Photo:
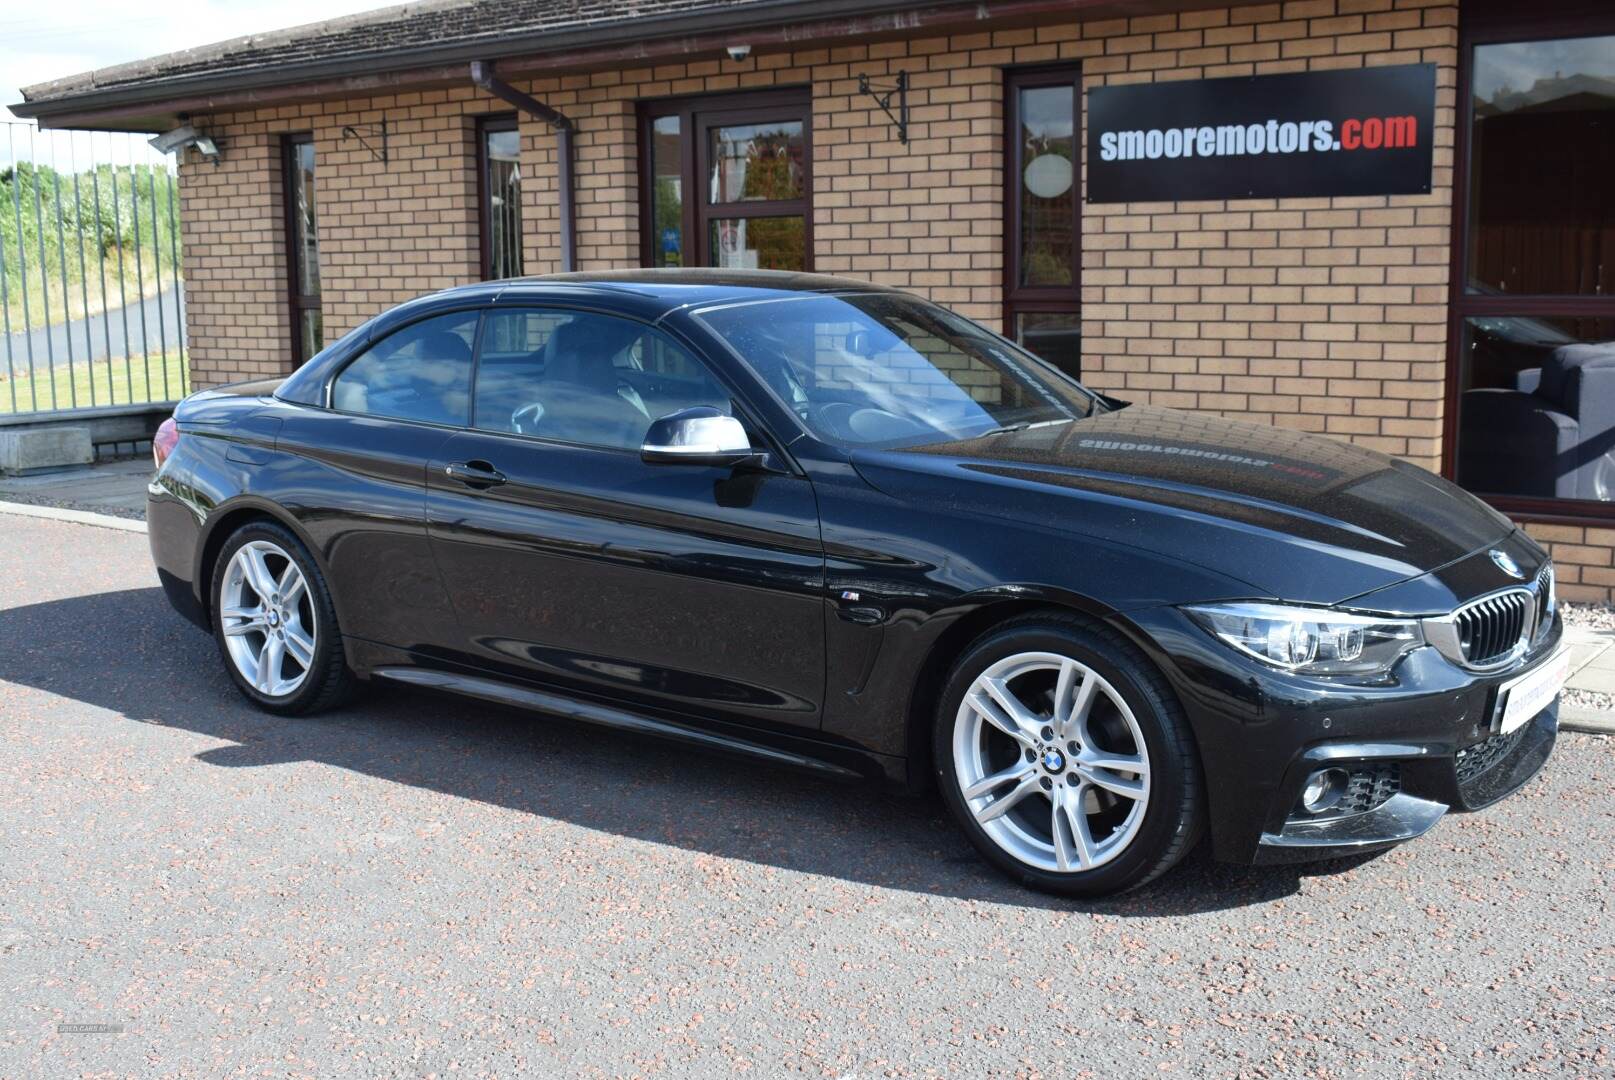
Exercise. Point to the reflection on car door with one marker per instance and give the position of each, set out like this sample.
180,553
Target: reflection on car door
360,476
572,562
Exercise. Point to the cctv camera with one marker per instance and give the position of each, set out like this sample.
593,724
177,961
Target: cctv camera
739,52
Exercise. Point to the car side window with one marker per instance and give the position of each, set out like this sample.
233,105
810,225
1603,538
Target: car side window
584,378
422,372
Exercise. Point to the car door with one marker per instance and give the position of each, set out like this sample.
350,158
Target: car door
573,562
354,475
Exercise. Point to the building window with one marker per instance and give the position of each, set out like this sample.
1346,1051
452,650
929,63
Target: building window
500,196
1043,223
728,182
302,246
1533,313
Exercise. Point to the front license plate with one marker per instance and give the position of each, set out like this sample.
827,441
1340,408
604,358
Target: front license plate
1530,694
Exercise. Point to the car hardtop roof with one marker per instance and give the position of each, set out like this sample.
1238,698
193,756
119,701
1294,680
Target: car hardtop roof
672,288
647,294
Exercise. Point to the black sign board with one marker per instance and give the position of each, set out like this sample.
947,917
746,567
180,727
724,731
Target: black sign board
1365,131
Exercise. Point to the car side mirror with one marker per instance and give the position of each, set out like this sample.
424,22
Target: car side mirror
698,436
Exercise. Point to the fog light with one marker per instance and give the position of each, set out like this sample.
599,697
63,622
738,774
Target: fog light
1324,790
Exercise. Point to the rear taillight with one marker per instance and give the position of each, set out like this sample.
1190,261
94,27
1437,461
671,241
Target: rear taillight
164,441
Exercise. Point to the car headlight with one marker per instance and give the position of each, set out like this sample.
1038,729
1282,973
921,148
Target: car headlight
1312,641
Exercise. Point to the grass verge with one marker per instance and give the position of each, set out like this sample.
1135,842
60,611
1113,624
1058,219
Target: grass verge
133,382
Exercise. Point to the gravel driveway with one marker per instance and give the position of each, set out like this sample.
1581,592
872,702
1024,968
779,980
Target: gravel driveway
421,886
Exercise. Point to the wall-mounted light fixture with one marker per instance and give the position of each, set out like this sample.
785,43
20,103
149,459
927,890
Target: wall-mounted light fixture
175,141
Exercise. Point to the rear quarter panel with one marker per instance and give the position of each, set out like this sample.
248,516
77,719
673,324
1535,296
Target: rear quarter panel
352,490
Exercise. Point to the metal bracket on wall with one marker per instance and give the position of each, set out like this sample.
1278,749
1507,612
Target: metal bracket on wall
375,131
883,93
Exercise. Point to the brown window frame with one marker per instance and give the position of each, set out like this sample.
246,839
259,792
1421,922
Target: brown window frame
1492,22
485,125
296,301
698,115
1038,299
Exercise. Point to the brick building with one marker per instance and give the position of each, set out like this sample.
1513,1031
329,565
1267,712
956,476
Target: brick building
363,161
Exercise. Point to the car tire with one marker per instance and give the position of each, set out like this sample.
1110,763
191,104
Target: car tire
310,670
1124,769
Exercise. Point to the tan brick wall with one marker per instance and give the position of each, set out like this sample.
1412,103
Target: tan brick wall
926,216
387,231
392,230
1583,557
235,260
1326,315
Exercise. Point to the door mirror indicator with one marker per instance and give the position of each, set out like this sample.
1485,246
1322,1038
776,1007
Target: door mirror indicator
699,436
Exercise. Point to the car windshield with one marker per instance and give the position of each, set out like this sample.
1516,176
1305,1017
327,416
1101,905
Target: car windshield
886,370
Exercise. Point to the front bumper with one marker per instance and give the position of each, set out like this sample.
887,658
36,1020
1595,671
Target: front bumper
1416,744
1476,776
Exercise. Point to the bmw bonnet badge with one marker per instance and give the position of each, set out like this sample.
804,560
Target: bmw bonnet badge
1505,563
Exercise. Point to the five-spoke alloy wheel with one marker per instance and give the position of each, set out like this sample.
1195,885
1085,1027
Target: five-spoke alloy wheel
1059,778
269,624
275,622
1065,757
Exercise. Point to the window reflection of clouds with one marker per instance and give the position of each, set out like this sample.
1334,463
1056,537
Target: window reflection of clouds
1046,112
1518,66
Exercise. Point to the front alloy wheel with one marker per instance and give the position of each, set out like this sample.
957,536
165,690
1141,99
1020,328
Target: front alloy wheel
1051,762
1066,759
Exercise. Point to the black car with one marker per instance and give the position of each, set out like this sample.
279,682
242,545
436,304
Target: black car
822,523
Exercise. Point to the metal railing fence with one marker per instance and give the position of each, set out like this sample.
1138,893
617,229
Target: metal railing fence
92,301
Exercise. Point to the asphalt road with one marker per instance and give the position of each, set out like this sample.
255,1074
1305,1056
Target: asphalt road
152,325
422,887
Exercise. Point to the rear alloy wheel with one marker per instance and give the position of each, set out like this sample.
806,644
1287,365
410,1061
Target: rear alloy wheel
275,624
1065,758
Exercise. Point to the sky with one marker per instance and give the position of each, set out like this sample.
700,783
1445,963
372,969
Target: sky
47,39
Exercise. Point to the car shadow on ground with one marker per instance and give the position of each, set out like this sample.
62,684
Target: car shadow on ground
128,652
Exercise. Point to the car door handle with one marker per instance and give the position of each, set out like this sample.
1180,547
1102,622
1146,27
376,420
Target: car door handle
477,474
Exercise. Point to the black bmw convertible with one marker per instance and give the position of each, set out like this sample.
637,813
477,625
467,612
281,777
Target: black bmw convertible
831,525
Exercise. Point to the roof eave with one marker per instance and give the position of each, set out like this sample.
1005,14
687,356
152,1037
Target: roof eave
154,105
151,96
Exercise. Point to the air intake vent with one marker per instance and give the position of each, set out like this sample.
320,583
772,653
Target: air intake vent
1544,599
1491,629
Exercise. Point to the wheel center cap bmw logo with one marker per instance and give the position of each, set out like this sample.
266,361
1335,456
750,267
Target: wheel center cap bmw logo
274,618
1053,760
1505,564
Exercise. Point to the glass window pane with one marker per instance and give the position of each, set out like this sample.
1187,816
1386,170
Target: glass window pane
312,332
304,219
1542,202
422,372
891,370
1536,415
1054,336
757,162
771,243
590,380
667,196
502,182
1047,163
